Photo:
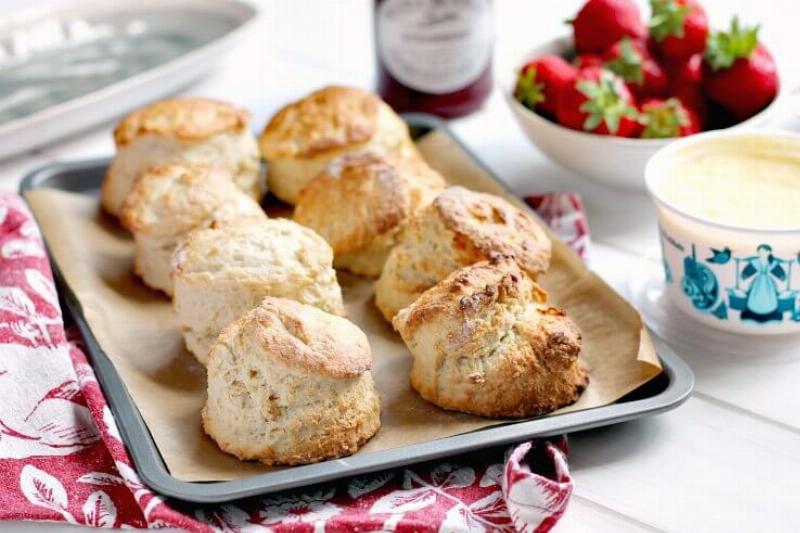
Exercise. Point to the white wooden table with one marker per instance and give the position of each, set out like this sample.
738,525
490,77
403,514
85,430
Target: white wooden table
727,460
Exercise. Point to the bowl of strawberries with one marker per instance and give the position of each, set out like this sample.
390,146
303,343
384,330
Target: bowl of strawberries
603,100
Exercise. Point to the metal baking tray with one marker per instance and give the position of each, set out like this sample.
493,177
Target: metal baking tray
666,391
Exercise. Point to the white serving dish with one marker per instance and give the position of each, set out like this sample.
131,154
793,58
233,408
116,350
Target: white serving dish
717,292
68,66
614,161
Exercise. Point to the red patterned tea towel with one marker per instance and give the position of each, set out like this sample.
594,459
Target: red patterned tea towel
62,459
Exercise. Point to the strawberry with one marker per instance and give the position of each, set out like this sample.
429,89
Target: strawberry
601,23
686,71
692,97
630,60
597,101
685,83
739,72
678,27
588,60
541,81
667,118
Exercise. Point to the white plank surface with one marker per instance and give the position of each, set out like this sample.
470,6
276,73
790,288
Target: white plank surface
729,459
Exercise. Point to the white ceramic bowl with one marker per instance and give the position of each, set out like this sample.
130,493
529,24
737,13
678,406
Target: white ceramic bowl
610,160
711,269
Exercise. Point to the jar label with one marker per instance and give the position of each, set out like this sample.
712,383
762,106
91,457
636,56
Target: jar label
435,46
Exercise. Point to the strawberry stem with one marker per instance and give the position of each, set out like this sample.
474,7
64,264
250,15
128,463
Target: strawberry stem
628,63
664,120
668,19
528,92
605,102
724,48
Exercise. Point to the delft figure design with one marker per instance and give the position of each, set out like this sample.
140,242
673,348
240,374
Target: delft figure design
763,290
701,286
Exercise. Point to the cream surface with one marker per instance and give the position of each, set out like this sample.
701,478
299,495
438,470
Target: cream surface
751,186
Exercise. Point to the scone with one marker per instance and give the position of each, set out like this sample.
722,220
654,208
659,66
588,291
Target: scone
305,135
221,273
169,201
290,384
361,202
182,130
459,228
485,342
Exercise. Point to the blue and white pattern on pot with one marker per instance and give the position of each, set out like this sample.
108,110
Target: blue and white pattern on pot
757,287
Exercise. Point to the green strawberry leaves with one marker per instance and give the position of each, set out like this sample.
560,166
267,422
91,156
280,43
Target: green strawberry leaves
664,120
668,19
605,102
724,48
628,63
528,92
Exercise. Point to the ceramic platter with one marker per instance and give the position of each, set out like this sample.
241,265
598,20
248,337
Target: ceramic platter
76,63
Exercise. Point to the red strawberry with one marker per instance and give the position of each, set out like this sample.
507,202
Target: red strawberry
692,97
588,60
598,101
541,81
685,78
739,72
667,118
683,72
601,23
679,28
630,60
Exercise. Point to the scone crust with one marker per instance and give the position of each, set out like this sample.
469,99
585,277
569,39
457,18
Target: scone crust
188,119
358,197
459,228
301,336
361,203
343,436
272,399
329,119
171,200
484,224
485,342
207,250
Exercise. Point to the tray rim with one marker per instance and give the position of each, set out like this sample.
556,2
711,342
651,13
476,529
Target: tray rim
153,471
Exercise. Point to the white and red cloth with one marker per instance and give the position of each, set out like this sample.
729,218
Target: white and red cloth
61,457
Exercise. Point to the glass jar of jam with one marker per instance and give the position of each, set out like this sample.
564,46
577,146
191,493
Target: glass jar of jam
434,56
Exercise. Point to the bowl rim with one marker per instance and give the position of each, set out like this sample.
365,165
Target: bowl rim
565,39
660,159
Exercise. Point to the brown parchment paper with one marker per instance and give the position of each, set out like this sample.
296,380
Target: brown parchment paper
138,330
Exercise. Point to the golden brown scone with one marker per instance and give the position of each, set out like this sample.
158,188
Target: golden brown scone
169,201
303,137
459,228
182,130
222,272
485,342
290,384
361,202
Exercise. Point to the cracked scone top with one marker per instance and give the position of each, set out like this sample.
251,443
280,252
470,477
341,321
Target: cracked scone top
459,228
221,273
191,119
361,202
304,136
182,130
485,342
290,384
169,201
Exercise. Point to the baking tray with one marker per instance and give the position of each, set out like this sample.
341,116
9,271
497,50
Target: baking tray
666,391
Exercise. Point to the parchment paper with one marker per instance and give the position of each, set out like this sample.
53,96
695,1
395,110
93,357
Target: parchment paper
138,330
